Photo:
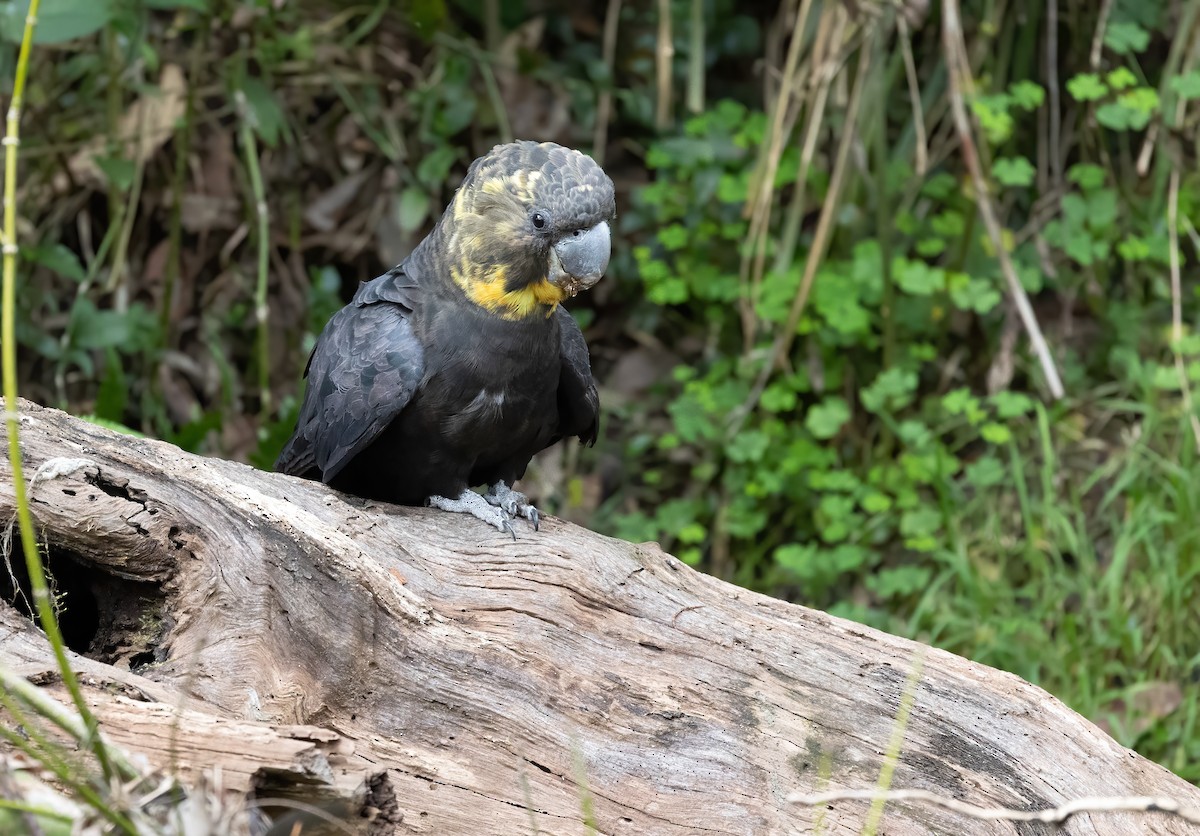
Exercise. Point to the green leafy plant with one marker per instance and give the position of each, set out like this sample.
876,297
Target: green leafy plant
882,474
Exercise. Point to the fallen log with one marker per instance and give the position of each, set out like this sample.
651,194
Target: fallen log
440,678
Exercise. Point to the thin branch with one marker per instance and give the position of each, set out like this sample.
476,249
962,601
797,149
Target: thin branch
1098,38
608,52
1185,385
261,309
1053,815
1142,167
1172,115
786,334
762,180
695,85
663,54
763,177
827,70
921,164
503,124
959,73
1052,90
118,277
183,147
492,32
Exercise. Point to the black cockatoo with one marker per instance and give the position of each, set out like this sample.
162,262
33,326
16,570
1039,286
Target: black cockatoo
456,367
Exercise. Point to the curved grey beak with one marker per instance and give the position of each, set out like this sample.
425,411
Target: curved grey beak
578,261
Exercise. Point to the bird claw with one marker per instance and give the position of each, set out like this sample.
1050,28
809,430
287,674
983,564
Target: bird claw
469,502
514,503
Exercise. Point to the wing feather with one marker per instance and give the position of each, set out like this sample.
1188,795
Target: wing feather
578,400
365,368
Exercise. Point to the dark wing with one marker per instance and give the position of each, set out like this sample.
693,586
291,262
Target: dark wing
363,371
578,400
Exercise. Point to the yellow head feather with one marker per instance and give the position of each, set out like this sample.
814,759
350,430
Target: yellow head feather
489,240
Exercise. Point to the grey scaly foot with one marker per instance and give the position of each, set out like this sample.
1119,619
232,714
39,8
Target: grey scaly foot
469,502
514,502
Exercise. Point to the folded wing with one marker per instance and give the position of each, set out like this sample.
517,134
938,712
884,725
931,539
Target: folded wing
578,400
362,373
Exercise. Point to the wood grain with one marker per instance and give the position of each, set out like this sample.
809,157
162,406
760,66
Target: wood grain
498,683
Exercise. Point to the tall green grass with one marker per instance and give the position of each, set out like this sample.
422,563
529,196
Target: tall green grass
1079,573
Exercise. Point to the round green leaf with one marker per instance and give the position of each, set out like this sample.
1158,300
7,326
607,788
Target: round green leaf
826,418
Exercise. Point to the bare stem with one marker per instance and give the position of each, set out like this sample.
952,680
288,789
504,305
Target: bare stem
1098,38
785,336
825,57
892,756
663,54
1177,301
1172,69
1054,815
33,559
914,92
491,25
1052,90
762,181
261,311
608,51
695,87
959,72
183,147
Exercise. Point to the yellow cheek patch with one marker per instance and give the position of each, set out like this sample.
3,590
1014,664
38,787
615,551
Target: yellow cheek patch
514,304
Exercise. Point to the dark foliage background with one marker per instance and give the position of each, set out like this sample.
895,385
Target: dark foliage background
816,378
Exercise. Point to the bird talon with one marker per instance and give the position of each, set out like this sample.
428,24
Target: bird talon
516,504
469,502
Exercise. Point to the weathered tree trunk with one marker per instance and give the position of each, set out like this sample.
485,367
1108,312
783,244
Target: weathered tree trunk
430,670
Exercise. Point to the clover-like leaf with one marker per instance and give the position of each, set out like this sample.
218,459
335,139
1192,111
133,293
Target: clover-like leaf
1014,171
1124,38
1086,87
825,420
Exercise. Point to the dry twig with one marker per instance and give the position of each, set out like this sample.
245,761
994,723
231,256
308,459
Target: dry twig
762,183
664,52
828,59
1098,37
1054,815
787,333
608,52
921,163
696,68
1185,385
959,72
1052,89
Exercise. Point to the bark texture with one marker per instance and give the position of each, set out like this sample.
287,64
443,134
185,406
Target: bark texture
439,678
